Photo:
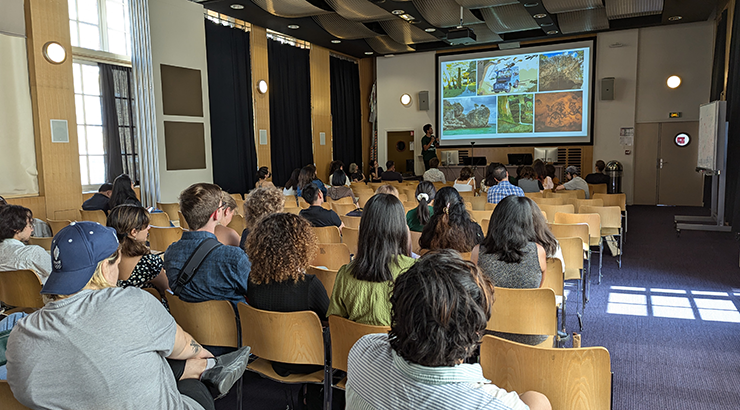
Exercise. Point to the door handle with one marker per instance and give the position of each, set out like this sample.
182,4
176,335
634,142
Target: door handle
661,163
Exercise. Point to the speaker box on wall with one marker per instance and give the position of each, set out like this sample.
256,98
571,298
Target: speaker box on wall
607,88
423,100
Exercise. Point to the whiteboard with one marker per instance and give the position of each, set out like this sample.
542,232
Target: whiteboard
711,129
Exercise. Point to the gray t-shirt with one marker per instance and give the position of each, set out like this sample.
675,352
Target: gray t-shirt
97,349
577,183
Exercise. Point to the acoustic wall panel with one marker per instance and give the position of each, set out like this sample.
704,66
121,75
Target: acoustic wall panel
182,91
185,145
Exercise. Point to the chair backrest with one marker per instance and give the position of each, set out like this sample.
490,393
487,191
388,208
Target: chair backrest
344,334
547,201
439,185
7,399
579,230
42,241
343,209
593,221
286,337
94,216
172,209
290,201
326,276
415,247
573,256
590,202
619,200
237,223
294,210
161,219
490,206
524,311
554,276
57,225
410,204
551,210
466,255
332,255
596,189
576,193
468,205
484,226
611,216
478,202
237,197
532,195
327,234
478,216
342,200
350,221
183,222
211,323
351,238
572,379
403,197
21,288
364,196
326,206
161,238
302,203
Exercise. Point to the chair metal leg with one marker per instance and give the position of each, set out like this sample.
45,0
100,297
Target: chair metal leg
601,256
621,245
328,371
587,284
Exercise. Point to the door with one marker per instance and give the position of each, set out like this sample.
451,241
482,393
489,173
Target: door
399,144
678,181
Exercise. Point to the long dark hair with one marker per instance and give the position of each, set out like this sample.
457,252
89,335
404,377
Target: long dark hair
539,169
306,176
338,178
293,181
542,233
383,237
422,211
124,218
122,192
450,227
510,229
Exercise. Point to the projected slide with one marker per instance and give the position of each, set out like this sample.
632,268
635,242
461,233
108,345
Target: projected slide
533,97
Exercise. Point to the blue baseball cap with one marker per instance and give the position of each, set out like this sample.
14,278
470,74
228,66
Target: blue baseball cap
75,253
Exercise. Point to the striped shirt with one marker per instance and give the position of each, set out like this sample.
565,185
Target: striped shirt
501,190
377,378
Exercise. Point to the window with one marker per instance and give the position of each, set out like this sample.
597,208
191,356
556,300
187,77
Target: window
89,124
100,25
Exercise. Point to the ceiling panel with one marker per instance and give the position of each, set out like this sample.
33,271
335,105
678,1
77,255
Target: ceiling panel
444,13
386,45
479,4
584,20
563,6
619,9
359,10
340,27
406,33
290,8
508,19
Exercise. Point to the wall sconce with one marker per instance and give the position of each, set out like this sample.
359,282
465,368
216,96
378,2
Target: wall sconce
54,52
673,81
406,100
262,86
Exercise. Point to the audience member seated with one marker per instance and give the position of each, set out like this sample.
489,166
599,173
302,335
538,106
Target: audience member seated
257,205
94,345
138,267
489,180
390,174
224,273
123,192
315,213
528,181
540,171
419,216
16,228
262,174
306,177
551,173
100,200
224,234
354,173
362,289
510,255
598,177
338,189
433,174
291,187
515,180
503,188
375,171
440,308
450,226
335,166
40,228
466,182
574,180
281,247
387,189
6,325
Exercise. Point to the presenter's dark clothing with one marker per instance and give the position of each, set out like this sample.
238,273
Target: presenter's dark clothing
96,202
595,178
318,216
391,176
429,153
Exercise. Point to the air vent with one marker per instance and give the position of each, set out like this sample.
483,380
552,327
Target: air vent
570,156
463,153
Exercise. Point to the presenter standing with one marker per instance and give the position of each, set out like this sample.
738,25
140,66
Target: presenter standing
429,143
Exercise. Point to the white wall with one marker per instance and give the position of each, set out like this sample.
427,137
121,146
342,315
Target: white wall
178,39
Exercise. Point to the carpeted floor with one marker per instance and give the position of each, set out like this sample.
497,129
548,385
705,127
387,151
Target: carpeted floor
669,319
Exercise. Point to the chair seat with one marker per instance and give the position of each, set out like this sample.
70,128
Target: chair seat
549,342
264,367
342,384
609,231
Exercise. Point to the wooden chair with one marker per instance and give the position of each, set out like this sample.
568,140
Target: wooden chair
21,289
7,399
211,323
548,201
490,206
364,196
403,197
478,202
57,225
350,221
160,219
525,312
439,185
294,211
42,241
468,206
171,208
594,233
466,255
596,189
332,255
343,209
484,226
94,216
342,200
286,337
302,203
551,210
351,238
410,204
237,223
183,222
326,206
237,197
611,225
554,280
572,379
577,193
415,247
531,195
161,238
344,334
480,215
290,201
572,249
589,202
326,276
327,234
619,200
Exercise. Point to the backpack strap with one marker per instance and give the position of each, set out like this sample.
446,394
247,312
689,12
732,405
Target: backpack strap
194,262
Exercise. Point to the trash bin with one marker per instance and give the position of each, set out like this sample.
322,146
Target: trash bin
614,172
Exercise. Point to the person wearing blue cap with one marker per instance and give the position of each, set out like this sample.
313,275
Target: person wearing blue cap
94,345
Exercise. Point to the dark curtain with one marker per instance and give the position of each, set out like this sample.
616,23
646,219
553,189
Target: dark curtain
345,111
230,95
119,138
732,200
290,109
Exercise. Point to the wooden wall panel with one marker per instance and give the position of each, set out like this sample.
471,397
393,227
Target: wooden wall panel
321,111
367,79
37,205
258,41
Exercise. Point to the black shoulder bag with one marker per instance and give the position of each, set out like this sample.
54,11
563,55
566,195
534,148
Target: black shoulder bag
193,263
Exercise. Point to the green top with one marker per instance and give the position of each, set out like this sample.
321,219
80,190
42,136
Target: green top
362,301
428,153
413,221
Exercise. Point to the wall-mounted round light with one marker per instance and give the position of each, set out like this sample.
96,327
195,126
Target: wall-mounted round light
262,86
406,100
673,81
54,52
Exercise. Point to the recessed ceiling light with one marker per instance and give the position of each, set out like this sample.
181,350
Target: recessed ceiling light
551,32
237,6
336,41
397,12
369,53
674,18
430,29
545,24
540,15
407,17
294,26
531,4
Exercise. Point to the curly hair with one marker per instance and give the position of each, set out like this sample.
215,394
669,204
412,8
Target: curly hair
280,248
260,203
13,219
440,309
